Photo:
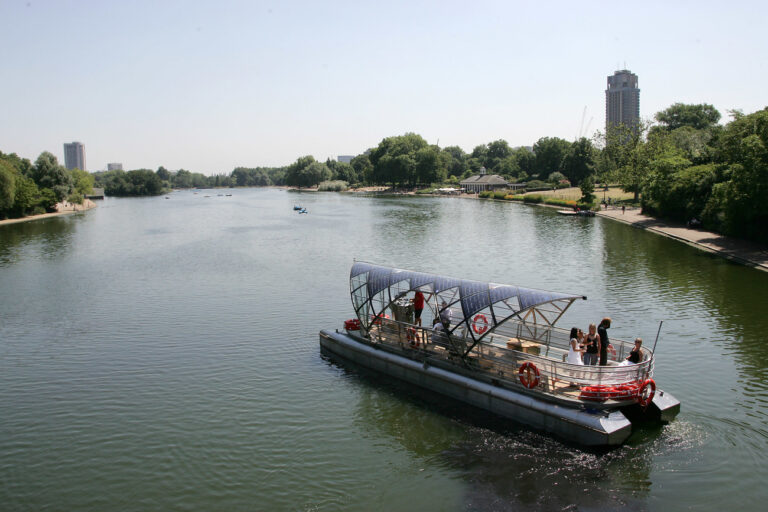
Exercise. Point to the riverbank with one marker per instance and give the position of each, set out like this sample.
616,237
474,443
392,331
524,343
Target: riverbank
64,208
740,251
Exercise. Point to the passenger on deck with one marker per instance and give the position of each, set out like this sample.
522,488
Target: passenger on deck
605,324
592,342
438,332
575,349
635,355
418,306
445,315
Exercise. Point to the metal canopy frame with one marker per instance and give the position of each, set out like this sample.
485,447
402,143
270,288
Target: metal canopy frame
482,305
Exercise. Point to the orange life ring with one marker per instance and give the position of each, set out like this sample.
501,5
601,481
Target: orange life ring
643,400
478,319
529,375
413,339
612,351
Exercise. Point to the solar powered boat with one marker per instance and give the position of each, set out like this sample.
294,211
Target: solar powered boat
499,350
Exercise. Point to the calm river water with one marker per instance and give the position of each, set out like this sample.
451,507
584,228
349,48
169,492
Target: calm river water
162,354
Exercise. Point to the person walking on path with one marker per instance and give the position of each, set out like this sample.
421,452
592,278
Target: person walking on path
605,324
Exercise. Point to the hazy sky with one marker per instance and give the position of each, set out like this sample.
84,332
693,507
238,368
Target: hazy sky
209,86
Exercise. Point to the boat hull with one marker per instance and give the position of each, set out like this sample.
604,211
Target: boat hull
589,428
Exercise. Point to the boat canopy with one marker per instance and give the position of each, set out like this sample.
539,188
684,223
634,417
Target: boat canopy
474,307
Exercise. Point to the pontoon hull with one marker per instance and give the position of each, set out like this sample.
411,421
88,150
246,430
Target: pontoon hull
604,428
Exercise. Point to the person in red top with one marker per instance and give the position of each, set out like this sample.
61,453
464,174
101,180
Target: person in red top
418,306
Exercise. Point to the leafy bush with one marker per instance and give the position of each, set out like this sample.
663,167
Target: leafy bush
534,185
533,199
568,203
333,186
76,198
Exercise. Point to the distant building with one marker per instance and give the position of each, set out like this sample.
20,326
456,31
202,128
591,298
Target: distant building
483,181
345,158
74,155
622,99
97,193
115,167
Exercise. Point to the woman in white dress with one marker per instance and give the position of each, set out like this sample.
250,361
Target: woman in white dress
575,349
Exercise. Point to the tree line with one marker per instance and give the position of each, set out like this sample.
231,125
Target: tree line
683,166
687,166
29,189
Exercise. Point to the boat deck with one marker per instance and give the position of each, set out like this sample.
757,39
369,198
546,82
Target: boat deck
501,361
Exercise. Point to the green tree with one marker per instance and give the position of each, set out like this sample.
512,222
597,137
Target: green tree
345,172
497,152
47,173
625,156
145,182
27,197
182,179
241,176
307,172
698,117
163,173
579,161
363,168
456,162
394,159
477,158
550,153
82,182
665,162
556,177
7,188
587,187
429,167
740,204
526,162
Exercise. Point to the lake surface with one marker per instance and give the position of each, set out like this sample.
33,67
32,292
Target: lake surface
162,354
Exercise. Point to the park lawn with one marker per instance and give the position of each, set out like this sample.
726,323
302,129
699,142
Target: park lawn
574,194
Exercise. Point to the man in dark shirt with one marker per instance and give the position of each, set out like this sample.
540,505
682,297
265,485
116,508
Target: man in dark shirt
602,331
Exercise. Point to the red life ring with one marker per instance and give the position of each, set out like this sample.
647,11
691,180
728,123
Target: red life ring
478,319
599,393
612,351
525,371
627,391
643,400
410,334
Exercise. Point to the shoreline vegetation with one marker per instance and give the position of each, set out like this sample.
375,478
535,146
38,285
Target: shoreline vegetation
733,249
65,208
686,168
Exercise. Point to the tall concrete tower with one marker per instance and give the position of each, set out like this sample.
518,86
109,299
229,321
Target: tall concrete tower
74,155
622,99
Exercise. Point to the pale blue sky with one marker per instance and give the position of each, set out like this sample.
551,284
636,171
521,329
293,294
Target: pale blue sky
208,86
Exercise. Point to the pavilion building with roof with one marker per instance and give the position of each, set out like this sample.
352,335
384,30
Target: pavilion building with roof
483,181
